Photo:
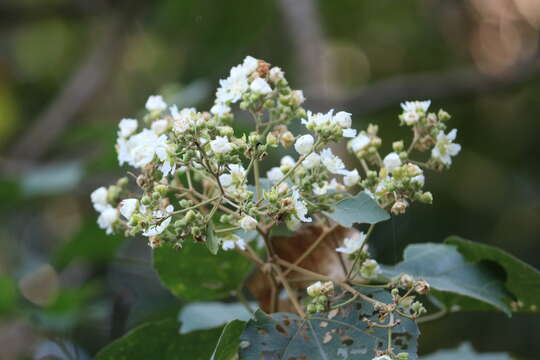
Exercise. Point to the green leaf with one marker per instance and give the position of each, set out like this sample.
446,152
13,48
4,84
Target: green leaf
359,209
205,315
161,340
334,335
464,352
212,241
227,346
522,280
445,269
193,273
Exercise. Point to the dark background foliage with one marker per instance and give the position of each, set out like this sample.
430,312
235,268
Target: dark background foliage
70,70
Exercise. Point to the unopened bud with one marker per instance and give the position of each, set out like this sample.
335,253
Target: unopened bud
287,139
421,287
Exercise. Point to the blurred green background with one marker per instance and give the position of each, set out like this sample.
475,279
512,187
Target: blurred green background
70,70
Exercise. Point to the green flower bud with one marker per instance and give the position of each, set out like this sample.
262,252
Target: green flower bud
398,146
320,308
162,190
123,181
145,200
272,140
426,198
403,356
311,309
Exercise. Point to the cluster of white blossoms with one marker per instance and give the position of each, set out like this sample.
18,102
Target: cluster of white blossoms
197,176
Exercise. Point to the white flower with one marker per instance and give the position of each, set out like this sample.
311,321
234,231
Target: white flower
349,133
99,199
287,161
334,185
370,269
276,74
248,223
351,178
315,289
275,174
352,245
159,126
416,106
304,144
184,119
225,180
297,97
260,86
300,207
332,162
360,142
128,207
411,117
445,148
107,218
318,121
343,119
236,176
161,224
127,127
392,161
232,88
220,109
250,64
320,190
141,148
420,179
220,145
229,244
382,357
155,103
311,161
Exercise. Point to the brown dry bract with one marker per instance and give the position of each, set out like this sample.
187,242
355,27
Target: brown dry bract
323,260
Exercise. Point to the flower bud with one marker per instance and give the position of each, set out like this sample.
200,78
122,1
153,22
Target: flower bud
406,281
247,223
421,287
320,308
398,146
426,198
225,131
271,140
162,190
123,181
443,115
311,309
328,288
315,289
402,356
287,139
399,207
304,144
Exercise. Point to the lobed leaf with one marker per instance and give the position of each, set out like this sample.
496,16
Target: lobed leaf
359,209
193,273
522,280
341,333
447,270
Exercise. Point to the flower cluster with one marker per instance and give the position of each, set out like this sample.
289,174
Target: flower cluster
198,179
